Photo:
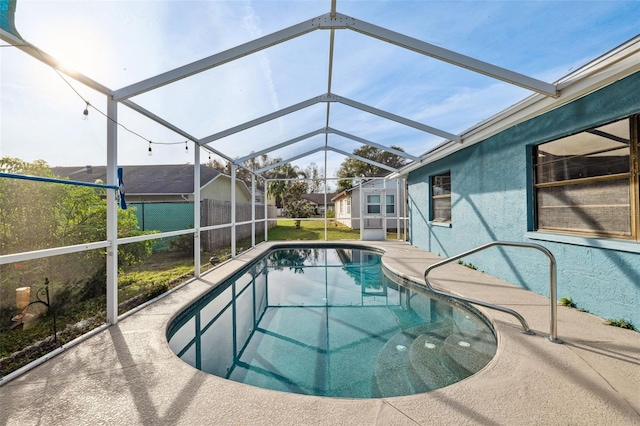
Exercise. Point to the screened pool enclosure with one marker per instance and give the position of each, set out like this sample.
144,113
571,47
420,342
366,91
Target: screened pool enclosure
85,267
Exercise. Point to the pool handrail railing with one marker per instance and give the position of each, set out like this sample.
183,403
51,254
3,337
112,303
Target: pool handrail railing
553,322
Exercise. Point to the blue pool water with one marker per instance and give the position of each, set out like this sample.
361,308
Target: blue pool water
330,322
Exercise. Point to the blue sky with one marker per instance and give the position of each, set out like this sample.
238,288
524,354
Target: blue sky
119,43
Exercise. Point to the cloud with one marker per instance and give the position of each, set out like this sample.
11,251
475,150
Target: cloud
252,23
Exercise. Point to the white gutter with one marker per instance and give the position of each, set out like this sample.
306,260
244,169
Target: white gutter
615,65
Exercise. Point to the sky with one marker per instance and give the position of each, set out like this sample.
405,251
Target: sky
118,43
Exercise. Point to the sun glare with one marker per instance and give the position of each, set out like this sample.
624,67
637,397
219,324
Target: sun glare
80,49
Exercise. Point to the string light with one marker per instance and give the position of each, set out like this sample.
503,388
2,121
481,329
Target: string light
150,150
85,113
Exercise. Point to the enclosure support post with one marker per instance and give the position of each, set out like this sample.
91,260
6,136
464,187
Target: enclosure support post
326,232
266,211
253,210
326,208
112,212
233,210
196,211
361,209
396,207
405,208
383,207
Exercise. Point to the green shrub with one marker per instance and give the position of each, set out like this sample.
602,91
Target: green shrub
182,244
622,323
567,301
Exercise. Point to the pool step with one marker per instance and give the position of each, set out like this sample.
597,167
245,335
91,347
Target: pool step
394,374
430,356
469,352
407,319
428,362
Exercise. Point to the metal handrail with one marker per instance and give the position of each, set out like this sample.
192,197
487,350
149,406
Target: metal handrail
553,321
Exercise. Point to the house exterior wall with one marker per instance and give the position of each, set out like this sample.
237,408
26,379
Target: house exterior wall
156,198
492,199
220,189
352,219
343,212
217,189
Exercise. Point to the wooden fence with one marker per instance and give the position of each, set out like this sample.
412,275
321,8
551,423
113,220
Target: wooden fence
215,212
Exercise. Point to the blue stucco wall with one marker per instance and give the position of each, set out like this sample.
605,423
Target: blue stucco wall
492,200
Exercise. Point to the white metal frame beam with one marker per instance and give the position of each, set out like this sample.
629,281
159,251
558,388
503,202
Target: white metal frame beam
325,148
217,59
448,56
288,160
261,120
392,117
41,56
326,98
328,131
111,284
280,145
368,142
141,110
365,160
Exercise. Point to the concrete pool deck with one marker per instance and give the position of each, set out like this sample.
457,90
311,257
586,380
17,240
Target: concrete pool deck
128,375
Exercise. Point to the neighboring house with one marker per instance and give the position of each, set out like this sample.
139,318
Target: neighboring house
161,196
381,199
318,202
562,173
163,182
259,196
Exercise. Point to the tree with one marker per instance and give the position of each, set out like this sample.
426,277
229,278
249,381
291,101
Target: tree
296,206
317,174
36,215
352,168
286,190
25,207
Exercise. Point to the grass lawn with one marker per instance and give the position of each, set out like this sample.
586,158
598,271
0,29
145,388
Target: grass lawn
314,230
311,230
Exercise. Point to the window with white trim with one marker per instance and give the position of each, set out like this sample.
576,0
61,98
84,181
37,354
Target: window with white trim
348,205
587,183
441,197
373,204
390,204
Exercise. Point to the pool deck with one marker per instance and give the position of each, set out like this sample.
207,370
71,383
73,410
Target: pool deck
128,375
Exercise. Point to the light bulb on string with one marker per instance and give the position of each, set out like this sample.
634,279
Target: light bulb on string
85,113
150,150
186,147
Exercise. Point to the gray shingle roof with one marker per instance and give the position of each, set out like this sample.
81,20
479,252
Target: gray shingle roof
152,179
319,198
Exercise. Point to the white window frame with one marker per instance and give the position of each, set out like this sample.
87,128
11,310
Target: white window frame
369,204
434,196
392,204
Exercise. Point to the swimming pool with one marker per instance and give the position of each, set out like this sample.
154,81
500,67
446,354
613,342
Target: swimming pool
330,321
